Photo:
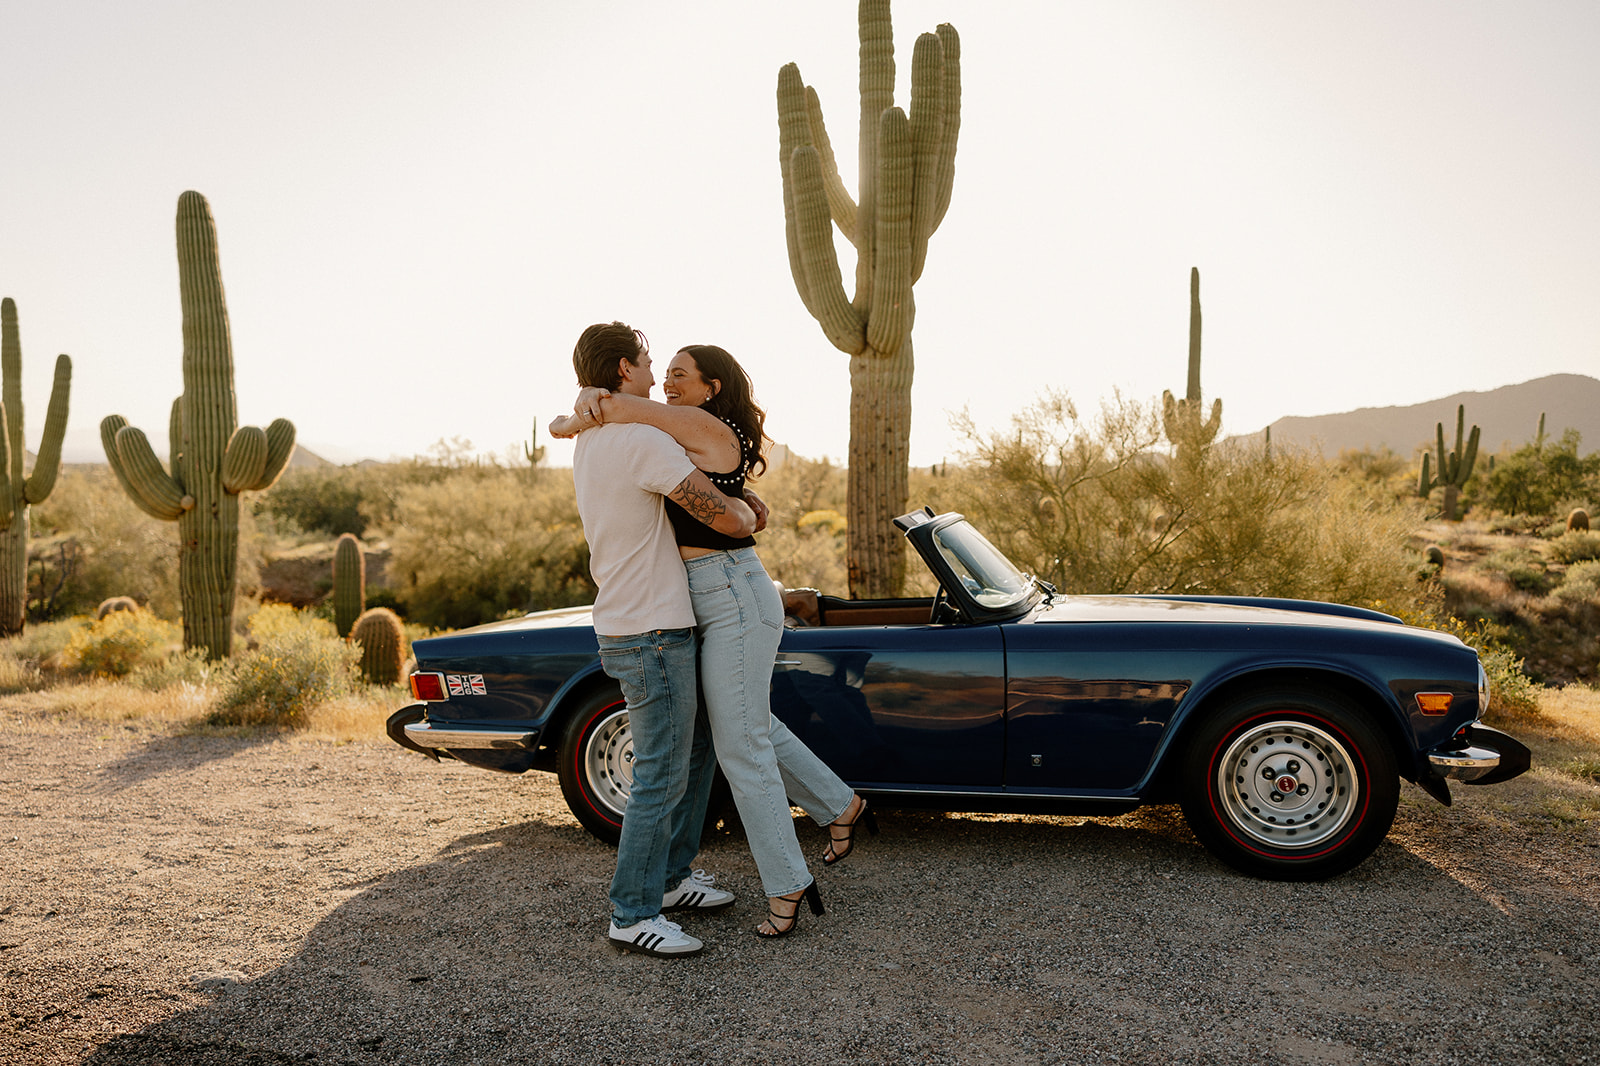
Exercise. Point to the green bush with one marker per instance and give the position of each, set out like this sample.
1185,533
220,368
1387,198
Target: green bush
319,500
1538,478
1581,585
296,662
484,544
120,643
18,674
1575,547
1100,506
186,666
1523,568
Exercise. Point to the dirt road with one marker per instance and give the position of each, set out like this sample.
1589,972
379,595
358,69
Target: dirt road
187,899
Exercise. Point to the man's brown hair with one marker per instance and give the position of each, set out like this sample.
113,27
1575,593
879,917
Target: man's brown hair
600,347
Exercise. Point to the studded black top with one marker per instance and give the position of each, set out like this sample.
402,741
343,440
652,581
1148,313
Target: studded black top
690,531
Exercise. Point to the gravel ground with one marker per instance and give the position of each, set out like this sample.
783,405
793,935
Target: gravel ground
183,899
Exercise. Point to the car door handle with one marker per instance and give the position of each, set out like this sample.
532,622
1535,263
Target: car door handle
787,662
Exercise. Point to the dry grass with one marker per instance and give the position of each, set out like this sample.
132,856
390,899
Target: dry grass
356,716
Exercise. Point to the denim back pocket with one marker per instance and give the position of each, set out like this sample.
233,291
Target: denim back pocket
626,667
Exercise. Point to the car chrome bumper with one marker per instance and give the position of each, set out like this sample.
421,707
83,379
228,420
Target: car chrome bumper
1488,756
1465,765
428,735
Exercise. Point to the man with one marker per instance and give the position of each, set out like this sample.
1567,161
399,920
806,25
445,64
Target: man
644,622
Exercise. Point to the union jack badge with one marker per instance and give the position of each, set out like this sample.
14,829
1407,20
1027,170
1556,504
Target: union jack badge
465,684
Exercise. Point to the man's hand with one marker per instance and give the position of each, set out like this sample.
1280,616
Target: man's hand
759,507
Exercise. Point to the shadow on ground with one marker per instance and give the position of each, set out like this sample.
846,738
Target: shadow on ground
1067,941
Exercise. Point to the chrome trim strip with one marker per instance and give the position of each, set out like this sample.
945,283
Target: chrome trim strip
431,736
1468,764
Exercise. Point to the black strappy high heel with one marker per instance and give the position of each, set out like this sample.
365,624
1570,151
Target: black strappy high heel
809,894
864,816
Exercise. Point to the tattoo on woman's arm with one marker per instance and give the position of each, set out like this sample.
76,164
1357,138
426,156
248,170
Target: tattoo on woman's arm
703,503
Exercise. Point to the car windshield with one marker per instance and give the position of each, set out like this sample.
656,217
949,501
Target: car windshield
988,576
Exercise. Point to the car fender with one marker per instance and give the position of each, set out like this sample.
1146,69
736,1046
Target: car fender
1369,690
570,694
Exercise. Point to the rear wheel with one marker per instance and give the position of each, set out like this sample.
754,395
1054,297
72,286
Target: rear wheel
596,764
1290,786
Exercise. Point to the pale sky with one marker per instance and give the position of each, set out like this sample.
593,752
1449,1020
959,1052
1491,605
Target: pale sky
421,205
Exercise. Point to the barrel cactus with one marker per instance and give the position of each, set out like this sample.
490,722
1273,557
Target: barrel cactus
1578,521
383,646
115,604
349,583
18,493
213,459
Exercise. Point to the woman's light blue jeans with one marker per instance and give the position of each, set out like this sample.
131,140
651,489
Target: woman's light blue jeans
739,617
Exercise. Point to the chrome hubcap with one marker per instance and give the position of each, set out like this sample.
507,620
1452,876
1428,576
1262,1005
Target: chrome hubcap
608,761
1287,784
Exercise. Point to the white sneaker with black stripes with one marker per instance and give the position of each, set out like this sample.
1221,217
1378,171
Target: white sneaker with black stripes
655,936
697,892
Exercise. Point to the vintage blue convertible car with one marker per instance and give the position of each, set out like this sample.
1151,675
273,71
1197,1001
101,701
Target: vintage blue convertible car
1281,726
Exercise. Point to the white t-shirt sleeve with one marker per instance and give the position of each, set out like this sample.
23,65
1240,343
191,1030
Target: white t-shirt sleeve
655,461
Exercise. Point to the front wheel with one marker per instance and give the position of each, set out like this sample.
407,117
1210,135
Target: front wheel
1289,786
596,767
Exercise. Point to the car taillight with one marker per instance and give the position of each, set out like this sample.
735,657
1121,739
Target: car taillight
429,687
1434,703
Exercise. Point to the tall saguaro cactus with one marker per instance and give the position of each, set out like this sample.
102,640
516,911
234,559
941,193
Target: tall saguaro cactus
213,459
1455,466
1181,419
907,171
17,493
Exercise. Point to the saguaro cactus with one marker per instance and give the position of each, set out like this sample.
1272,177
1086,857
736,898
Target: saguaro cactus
1455,466
16,492
349,583
907,171
213,459
1181,419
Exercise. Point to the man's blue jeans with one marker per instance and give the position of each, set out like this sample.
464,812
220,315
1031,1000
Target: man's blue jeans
673,765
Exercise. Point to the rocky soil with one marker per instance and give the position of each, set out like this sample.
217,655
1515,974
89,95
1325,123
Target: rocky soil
186,899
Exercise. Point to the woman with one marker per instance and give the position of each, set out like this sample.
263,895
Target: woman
711,411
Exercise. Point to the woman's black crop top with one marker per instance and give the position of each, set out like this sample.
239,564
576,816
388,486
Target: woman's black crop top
690,531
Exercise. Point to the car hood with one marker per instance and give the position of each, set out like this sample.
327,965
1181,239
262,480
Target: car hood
1222,610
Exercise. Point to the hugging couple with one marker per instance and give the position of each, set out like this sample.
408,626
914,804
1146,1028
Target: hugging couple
682,594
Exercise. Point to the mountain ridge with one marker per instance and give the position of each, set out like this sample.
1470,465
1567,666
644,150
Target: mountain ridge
1508,416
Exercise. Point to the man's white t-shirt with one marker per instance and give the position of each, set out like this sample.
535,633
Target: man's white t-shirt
621,472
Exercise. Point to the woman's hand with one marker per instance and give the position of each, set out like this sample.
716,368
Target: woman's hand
564,427
587,407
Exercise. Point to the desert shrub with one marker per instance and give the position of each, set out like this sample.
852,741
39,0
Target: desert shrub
1536,479
120,643
18,674
1098,506
94,544
296,662
185,667
1581,585
482,544
1522,567
1575,547
318,500
43,644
